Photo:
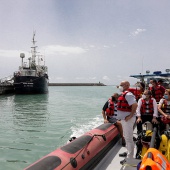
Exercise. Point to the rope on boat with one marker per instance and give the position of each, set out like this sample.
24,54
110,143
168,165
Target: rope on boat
85,147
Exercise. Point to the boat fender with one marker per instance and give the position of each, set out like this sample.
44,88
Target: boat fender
73,162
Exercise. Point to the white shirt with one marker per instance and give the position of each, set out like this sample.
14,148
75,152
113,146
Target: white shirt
155,107
131,100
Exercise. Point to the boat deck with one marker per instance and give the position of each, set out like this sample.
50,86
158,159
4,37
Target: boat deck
112,160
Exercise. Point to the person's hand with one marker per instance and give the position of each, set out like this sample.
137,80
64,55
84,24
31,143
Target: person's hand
168,116
128,117
106,121
139,120
154,121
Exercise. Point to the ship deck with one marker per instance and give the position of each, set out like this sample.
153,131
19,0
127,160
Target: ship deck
112,160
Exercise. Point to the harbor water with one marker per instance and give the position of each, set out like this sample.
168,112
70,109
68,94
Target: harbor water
32,126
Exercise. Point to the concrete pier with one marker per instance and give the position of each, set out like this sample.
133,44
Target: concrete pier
76,84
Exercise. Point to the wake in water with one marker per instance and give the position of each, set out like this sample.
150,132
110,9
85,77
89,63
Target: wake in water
85,125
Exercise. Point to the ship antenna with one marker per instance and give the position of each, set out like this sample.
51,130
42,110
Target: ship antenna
33,49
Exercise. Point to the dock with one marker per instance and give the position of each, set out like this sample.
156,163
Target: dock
6,85
76,84
6,89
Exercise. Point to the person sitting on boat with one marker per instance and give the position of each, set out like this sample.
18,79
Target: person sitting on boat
164,109
157,90
126,110
109,113
146,111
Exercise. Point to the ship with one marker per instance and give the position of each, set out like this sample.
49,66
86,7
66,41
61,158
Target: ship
164,78
31,78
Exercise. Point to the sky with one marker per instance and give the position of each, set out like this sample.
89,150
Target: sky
87,41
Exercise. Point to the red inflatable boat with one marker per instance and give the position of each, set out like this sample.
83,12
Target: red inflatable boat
82,153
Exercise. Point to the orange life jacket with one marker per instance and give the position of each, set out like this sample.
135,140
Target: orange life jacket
154,159
147,108
165,107
122,103
110,109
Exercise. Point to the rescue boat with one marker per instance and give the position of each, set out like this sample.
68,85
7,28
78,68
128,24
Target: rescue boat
83,153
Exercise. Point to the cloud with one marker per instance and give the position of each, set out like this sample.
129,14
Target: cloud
59,78
106,78
106,46
92,78
92,46
12,53
63,50
137,32
80,78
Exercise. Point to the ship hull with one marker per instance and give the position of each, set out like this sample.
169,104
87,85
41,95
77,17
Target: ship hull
30,85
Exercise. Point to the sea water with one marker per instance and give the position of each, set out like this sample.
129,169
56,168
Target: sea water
32,126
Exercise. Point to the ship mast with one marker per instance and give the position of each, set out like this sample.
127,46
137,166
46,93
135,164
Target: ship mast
33,51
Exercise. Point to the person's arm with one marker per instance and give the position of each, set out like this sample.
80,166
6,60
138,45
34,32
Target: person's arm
104,117
103,112
133,111
159,108
155,113
155,109
138,114
132,102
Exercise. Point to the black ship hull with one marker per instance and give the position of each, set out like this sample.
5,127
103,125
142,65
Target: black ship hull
30,85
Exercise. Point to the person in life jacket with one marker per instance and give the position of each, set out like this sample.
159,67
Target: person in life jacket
164,109
157,90
109,113
146,111
138,90
126,109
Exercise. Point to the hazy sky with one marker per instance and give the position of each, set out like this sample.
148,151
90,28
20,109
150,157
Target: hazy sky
87,40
